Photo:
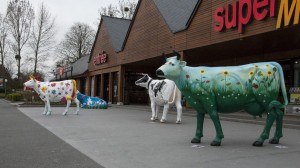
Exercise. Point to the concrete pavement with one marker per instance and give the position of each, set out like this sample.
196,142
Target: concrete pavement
26,144
124,137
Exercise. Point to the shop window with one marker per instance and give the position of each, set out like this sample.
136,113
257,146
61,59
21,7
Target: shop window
296,73
134,94
98,85
106,87
82,85
115,87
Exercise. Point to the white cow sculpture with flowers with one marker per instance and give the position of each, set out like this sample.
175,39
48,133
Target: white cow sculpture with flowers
61,91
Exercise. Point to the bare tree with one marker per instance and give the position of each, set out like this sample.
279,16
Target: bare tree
78,42
110,10
3,39
20,16
42,38
124,9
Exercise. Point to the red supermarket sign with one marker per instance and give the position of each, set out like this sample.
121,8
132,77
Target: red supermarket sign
100,58
242,12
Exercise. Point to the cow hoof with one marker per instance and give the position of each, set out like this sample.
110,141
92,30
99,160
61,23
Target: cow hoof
155,118
163,120
257,143
64,114
274,141
215,143
178,122
152,119
195,140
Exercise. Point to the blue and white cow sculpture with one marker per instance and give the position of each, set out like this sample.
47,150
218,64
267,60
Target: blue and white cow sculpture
91,102
162,93
212,90
61,91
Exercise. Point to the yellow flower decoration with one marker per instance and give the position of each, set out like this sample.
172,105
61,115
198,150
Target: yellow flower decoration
251,73
256,66
61,83
201,71
225,73
44,88
270,73
267,65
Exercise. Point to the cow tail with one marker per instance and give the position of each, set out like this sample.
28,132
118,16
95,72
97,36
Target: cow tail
174,95
74,89
282,84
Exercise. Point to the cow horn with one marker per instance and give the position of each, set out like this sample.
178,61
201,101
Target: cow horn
177,54
164,55
31,77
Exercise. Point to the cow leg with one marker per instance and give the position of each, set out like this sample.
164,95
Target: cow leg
164,116
153,110
278,130
156,111
48,107
179,112
67,108
265,134
215,118
77,105
199,129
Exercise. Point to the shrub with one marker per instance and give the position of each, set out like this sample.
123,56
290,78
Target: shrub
14,97
2,95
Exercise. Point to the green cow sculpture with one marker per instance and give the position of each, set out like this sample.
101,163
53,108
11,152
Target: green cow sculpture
253,88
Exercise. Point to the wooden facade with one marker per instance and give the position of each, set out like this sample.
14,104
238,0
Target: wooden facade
149,36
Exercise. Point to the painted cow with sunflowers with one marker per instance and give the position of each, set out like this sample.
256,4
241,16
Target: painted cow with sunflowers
61,91
253,88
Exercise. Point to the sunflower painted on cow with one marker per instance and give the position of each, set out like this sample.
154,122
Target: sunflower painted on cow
212,90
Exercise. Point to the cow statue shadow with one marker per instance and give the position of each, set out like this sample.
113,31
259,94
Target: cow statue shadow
162,93
60,91
253,88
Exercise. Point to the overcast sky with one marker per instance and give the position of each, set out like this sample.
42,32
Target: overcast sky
67,12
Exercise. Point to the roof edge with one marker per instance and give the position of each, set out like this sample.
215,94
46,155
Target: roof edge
130,26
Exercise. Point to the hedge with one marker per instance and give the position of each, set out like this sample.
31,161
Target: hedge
14,97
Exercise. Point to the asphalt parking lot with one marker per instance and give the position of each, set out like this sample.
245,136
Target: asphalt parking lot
124,137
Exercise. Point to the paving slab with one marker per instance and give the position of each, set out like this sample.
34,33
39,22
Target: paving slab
124,137
26,144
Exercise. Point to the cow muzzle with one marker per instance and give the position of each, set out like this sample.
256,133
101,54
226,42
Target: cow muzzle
160,73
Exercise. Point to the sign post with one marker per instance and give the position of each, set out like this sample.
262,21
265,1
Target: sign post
5,84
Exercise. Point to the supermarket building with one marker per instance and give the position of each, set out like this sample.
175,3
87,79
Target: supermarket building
204,32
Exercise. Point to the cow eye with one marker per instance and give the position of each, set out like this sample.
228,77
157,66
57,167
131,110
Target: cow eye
171,63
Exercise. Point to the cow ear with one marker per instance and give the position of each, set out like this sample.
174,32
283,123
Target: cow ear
182,63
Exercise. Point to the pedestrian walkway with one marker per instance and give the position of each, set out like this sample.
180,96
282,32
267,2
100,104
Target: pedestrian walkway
124,137
289,121
26,144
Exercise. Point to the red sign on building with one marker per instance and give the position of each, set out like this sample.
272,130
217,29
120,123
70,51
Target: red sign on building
100,58
61,71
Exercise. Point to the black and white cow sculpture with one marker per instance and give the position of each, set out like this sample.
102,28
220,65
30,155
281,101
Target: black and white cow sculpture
162,93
